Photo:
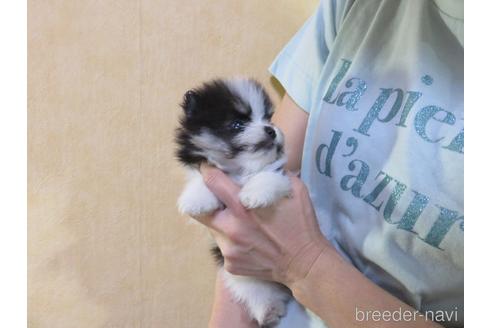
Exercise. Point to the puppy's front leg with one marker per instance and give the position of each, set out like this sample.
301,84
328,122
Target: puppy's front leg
196,199
264,189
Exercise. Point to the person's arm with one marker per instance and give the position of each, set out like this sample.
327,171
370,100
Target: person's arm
343,297
291,120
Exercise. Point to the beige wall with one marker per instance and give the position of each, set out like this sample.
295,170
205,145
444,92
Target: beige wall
107,247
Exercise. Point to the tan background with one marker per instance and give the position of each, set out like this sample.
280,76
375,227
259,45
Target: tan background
107,247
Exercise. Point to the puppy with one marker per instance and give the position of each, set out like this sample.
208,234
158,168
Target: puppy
226,123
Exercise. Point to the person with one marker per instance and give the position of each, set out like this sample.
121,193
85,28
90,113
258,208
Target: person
372,235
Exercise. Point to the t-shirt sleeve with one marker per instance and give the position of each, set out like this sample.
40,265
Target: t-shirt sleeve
298,66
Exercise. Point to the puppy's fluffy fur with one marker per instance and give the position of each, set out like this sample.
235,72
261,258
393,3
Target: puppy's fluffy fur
227,123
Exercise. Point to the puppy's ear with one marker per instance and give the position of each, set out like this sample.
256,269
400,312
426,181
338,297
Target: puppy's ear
189,103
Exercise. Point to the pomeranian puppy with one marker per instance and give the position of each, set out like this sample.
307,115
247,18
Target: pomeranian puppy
226,123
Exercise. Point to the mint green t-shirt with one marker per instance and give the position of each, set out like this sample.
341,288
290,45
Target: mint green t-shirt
382,81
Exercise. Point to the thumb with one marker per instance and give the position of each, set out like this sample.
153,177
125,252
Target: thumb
226,190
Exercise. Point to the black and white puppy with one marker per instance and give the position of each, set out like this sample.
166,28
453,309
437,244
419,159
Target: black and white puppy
227,123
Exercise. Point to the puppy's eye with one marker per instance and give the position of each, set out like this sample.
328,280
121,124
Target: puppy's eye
237,125
268,116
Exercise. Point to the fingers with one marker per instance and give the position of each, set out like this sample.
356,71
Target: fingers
293,173
223,222
223,187
298,187
220,221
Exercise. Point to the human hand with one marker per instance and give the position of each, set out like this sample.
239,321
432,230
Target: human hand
279,243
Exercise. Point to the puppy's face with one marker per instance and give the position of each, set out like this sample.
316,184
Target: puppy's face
227,123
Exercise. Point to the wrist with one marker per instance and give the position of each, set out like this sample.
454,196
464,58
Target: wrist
318,270
304,260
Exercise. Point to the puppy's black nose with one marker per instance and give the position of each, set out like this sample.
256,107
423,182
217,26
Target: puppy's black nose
270,131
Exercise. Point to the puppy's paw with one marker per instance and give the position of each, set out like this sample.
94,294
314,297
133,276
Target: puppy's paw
198,207
264,189
252,197
196,200
273,314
